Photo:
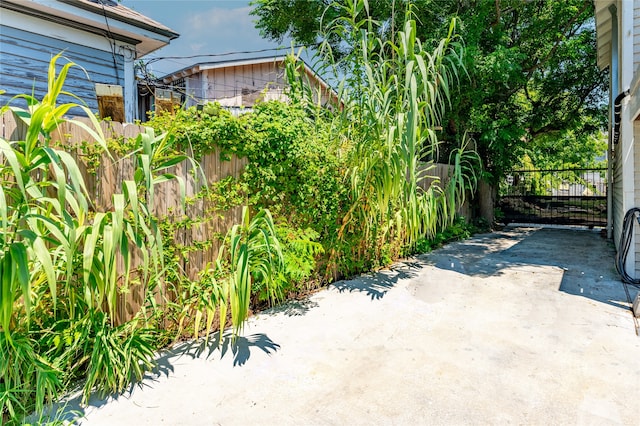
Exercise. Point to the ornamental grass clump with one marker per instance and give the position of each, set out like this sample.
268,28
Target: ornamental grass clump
393,97
59,259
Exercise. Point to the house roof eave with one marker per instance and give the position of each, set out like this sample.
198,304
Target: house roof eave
603,31
124,14
119,22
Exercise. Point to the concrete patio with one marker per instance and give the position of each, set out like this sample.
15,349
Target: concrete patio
523,326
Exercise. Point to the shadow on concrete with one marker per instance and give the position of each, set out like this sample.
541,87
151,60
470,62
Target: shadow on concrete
239,347
584,256
293,308
604,291
376,285
71,410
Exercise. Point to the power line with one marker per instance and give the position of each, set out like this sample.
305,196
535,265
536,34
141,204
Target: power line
215,55
110,38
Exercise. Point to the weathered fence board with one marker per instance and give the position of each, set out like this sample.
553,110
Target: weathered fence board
441,174
107,177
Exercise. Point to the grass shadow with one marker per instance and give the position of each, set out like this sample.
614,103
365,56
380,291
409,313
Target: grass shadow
293,308
376,285
70,410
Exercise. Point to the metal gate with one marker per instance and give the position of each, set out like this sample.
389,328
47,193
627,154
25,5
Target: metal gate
562,197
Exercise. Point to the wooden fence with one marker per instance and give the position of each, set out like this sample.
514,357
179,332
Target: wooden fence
107,178
442,172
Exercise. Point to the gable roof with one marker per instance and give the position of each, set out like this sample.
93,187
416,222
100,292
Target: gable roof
99,17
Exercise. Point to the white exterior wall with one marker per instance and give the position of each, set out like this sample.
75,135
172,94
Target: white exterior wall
636,34
627,189
627,148
633,261
631,112
626,13
625,76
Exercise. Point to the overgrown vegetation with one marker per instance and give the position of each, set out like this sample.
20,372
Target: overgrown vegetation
59,262
326,193
533,93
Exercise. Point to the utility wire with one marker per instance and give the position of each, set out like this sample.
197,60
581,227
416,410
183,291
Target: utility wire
111,40
621,257
240,52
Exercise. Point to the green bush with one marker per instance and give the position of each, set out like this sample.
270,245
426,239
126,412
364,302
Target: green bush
300,249
458,230
293,165
201,131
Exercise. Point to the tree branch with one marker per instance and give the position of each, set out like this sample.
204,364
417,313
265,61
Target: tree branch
568,32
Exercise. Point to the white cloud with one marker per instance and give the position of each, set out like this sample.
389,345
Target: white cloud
197,47
222,30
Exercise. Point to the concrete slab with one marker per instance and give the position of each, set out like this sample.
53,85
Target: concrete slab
524,326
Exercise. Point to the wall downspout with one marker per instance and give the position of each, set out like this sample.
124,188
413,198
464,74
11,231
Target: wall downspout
613,89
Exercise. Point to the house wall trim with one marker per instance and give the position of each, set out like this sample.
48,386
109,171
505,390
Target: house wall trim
24,10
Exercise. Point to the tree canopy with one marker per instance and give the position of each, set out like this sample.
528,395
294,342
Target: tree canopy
532,86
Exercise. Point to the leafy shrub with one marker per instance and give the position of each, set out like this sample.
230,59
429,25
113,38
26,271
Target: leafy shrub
458,230
299,252
27,379
342,186
201,131
293,167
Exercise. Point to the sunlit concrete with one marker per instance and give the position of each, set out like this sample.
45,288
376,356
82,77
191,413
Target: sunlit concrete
522,326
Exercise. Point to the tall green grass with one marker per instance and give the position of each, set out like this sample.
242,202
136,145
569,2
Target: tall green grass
59,259
393,96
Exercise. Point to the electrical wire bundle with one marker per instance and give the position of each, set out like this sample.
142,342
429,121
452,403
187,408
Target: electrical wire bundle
625,244
623,251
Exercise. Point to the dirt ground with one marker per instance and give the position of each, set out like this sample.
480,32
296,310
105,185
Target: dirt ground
522,326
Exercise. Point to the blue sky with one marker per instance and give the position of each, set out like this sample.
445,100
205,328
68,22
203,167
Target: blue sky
205,27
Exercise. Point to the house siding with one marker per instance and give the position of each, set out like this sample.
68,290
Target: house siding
636,34
24,61
618,205
242,85
636,149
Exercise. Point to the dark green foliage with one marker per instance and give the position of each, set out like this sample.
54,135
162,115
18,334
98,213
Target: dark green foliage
459,230
300,248
293,167
59,272
533,81
201,131
341,188
28,378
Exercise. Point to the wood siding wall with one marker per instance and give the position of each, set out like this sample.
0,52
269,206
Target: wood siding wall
636,35
24,62
618,206
242,86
